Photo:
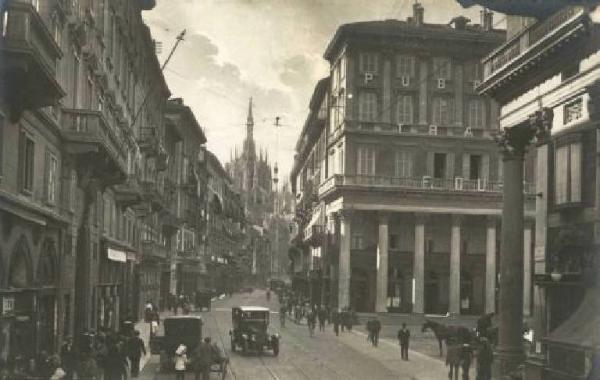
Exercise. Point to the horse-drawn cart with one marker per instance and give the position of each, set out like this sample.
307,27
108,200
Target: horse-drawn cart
186,330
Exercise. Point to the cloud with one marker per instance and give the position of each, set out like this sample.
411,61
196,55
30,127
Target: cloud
297,71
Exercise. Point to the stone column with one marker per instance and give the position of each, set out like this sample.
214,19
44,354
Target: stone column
490,266
454,299
419,265
344,260
382,264
514,142
527,270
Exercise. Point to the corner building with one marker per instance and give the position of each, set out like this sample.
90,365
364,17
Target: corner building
397,174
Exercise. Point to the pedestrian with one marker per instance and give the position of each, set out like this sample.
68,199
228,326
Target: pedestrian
485,357
403,339
203,360
311,322
336,323
452,359
369,327
466,355
322,316
268,295
116,360
282,311
136,349
180,361
376,331
68,357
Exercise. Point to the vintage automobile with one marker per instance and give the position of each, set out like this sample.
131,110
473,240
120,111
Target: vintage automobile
186,330
203,298
251,330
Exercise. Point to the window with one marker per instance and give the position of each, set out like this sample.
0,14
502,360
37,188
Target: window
340,160
366,160
405,66
357,242
367,106
27,162
441,111
51,178
404,109
568,173
404,164
442,68
439,165
475,166
476,113
368,63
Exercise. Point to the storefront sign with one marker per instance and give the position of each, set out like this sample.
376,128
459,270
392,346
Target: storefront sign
118,256
8,304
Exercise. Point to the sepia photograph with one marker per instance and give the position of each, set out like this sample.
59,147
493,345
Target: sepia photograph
300,189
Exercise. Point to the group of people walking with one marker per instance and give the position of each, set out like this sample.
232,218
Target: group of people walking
459,357
199,361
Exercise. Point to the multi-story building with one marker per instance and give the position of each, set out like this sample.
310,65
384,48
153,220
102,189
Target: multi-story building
185,186
83,208
226,252
548,70
404,176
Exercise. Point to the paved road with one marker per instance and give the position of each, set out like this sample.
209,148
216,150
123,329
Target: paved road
323,356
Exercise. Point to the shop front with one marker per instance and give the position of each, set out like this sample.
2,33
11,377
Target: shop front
110,288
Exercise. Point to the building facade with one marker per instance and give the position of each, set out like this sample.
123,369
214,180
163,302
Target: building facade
90,205
549,69
397,176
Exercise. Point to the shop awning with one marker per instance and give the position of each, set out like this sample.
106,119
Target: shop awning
116,255
581,329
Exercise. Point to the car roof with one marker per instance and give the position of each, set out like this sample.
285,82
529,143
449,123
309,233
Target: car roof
197,317
253,308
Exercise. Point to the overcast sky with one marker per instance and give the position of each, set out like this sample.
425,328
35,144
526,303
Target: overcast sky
268,49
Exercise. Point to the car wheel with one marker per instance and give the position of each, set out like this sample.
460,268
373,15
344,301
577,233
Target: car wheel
276,349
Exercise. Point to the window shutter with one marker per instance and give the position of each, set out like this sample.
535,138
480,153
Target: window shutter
575,169
430,164
450,165
485,167
47,164
466,165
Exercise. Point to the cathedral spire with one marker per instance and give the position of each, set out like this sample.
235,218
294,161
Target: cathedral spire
250,123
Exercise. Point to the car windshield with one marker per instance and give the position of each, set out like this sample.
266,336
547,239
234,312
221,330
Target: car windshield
255,315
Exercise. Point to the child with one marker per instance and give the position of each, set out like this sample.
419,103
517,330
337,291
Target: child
180,361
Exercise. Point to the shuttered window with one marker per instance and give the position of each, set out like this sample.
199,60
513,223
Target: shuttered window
405,66
404,164
368,63
442,111
404,109
367,106
476,113
567,177
366,160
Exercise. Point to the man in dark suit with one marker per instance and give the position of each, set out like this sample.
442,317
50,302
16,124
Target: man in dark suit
203,360
136,350
403,339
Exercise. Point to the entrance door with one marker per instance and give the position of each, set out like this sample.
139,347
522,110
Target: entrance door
432,293
359,290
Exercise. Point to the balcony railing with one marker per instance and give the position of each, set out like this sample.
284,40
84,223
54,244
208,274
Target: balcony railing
29,55
86,127
154,249
529,38
425,183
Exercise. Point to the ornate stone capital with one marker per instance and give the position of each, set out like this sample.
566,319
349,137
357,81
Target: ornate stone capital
514,141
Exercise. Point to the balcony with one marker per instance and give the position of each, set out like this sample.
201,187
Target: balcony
151,145
541,43
154,250
129,193
424,183
88,135
28,56
153,194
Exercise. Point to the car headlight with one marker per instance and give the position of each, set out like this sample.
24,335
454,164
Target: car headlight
244,336
253,338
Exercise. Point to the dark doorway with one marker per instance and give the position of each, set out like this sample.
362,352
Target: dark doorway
439,165
475,167
432,293
359,290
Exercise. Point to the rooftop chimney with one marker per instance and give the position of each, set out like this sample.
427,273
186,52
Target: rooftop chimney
487,20
460,22
418,14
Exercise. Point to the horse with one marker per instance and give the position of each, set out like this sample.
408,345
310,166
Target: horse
442,332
